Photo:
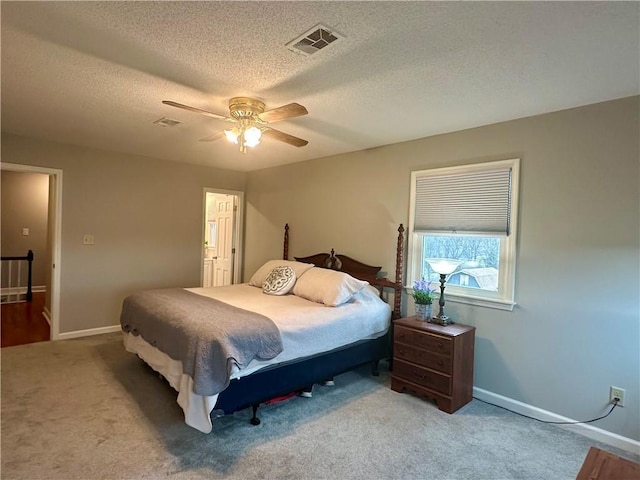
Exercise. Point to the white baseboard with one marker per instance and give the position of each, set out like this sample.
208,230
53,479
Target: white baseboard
19,294
613,439
89,332
22,290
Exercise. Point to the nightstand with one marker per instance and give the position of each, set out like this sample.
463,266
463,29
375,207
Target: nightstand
434,360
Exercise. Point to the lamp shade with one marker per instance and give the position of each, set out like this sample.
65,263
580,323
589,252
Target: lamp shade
443,266
232,135
252,136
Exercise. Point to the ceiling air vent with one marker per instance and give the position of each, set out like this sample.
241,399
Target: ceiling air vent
167,122
314,40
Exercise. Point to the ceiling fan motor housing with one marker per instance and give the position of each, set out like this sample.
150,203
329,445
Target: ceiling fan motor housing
245,107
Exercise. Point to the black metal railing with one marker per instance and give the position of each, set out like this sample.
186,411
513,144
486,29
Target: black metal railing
9,261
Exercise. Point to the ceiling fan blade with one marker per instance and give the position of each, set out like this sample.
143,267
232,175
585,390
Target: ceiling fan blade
212,137
285,137
284,112
194,109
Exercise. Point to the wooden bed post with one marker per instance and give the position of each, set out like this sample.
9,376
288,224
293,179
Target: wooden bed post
397,298
285,253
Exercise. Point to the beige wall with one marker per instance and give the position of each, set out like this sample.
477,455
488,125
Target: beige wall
145,215
25,198
575,330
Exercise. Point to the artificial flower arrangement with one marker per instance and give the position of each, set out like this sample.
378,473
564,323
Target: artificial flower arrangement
422,292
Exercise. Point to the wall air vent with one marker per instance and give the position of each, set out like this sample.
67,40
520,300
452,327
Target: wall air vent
314,40
167,122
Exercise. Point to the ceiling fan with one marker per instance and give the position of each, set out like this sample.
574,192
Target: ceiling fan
252,121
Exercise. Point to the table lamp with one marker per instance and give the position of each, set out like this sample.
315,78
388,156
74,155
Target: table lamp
444,267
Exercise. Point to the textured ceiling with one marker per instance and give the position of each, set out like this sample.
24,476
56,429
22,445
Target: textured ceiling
94,74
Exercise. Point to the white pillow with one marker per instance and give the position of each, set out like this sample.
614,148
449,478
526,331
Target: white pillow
280,281
261,274
327,286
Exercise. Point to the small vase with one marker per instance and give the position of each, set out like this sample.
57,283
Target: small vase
423,312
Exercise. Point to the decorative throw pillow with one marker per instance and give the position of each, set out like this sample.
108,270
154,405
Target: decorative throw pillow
327,286
280,281
259,277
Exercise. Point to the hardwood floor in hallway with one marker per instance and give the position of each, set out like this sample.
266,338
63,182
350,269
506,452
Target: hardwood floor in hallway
23,323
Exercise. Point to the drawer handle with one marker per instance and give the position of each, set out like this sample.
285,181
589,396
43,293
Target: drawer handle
401,352
416,374
440,363
440,345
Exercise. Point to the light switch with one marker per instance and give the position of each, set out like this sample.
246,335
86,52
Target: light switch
25,232
87,240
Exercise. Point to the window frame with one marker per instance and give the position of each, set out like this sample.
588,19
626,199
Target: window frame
504,298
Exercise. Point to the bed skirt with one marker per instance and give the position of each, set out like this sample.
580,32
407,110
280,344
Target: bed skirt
197,409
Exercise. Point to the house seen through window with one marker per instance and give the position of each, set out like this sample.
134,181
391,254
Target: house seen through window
480,255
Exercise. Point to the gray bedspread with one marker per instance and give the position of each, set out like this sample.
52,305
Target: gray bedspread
206,335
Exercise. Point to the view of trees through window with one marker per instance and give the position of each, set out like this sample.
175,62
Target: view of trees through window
480,256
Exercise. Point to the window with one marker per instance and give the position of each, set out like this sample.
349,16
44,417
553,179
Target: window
467,213
211,234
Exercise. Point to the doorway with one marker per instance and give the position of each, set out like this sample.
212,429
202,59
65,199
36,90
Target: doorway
222,237
52,293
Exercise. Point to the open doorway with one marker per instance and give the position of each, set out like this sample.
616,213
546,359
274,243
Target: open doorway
222,237
52,253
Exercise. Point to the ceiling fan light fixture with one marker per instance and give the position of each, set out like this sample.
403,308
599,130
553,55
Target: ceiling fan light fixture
251,143
252,136
247,135
232,134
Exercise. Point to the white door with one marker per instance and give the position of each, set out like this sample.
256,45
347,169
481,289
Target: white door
223,262
207,277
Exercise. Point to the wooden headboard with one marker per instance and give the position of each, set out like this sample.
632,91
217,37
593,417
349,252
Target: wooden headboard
358,269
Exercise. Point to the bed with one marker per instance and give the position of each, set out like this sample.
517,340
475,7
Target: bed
171,330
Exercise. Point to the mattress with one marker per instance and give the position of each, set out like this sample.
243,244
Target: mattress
307,328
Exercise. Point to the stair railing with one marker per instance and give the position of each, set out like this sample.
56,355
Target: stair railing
13,292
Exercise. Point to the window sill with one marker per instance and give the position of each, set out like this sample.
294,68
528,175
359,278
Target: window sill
469,300
480,302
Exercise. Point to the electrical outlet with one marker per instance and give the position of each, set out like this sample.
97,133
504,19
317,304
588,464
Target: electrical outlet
615,392
88,240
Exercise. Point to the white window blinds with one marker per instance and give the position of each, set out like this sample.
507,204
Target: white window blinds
467,201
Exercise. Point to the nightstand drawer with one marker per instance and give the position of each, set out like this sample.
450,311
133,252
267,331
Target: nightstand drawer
421,376
426,340
422,357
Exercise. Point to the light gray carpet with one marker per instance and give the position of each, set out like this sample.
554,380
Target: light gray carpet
86,409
